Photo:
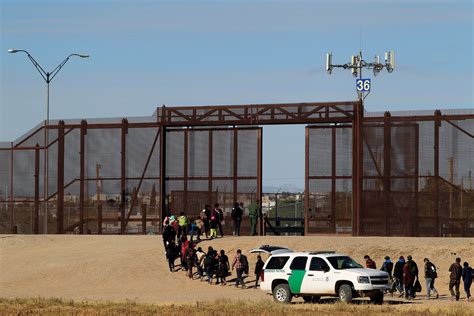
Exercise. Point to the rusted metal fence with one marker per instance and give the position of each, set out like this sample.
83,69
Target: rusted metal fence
401,174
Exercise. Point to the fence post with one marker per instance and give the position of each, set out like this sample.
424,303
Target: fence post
36,214
387,170
144,219
81,176
123,155
12,221
99,219
60,180
437,124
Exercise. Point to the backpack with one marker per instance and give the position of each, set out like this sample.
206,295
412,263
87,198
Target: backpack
432,271
208,260
245,263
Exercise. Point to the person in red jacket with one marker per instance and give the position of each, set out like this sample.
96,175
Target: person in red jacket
369,263
410,274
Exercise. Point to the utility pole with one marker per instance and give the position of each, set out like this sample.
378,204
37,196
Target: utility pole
98,186
363,86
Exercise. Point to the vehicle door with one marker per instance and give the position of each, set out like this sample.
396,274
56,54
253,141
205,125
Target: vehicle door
318,279
296,273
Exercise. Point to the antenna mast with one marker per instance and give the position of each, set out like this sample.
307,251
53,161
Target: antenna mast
357,64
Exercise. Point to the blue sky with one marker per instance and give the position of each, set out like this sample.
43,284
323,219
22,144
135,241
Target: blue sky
148,53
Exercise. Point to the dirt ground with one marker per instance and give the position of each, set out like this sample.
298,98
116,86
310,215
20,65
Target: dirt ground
119,268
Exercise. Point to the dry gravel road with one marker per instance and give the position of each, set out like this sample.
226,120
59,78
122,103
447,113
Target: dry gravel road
119,268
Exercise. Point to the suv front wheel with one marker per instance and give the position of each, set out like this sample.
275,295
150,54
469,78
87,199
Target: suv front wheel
282,293
345,293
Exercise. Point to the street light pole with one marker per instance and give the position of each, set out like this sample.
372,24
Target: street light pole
47,77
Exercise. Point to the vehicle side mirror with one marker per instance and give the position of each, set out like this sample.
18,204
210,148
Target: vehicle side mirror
326,269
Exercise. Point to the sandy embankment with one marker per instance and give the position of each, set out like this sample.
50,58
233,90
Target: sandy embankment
118,268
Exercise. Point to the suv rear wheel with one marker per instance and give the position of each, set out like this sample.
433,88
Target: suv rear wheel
282,293
345,293
311,299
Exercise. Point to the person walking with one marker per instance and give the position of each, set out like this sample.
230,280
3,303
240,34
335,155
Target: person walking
190,260
430,276
171,253
369,263
237,264
168,233
200,255
199,226
258,269
182,226
205,221
398,275
223,270
209,263
236,215
184,244
410,275
213,224
253,216
220,217
455,279
387,266
467,280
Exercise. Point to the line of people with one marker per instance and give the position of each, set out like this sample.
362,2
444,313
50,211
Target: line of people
211,264
405,278
210,221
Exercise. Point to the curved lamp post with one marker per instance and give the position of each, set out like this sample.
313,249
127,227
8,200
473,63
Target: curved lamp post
48,77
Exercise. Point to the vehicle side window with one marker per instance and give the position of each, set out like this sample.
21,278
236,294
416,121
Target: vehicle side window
299,263
318,264
277,262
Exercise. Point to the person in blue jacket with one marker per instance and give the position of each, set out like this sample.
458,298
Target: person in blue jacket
467,279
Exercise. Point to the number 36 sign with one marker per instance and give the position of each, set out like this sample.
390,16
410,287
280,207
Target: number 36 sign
363,85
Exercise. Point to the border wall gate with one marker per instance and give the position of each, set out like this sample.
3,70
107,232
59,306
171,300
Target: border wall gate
390,175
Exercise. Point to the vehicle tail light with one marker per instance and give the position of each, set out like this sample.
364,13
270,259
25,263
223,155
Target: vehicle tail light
262,275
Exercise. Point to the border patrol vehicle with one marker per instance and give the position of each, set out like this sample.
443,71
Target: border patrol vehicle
311,275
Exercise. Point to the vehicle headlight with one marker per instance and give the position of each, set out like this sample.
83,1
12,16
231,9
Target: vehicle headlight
363,279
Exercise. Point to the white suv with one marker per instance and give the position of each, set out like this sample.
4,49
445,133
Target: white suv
323,273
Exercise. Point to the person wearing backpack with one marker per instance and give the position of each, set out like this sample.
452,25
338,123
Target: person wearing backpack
171,253
387,266
182,225
430,276
237,264
214,221
398,275
236,215
168,233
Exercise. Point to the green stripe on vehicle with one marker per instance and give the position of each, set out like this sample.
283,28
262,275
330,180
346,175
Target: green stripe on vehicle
295,280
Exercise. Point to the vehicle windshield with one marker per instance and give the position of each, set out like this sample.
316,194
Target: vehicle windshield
343,262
